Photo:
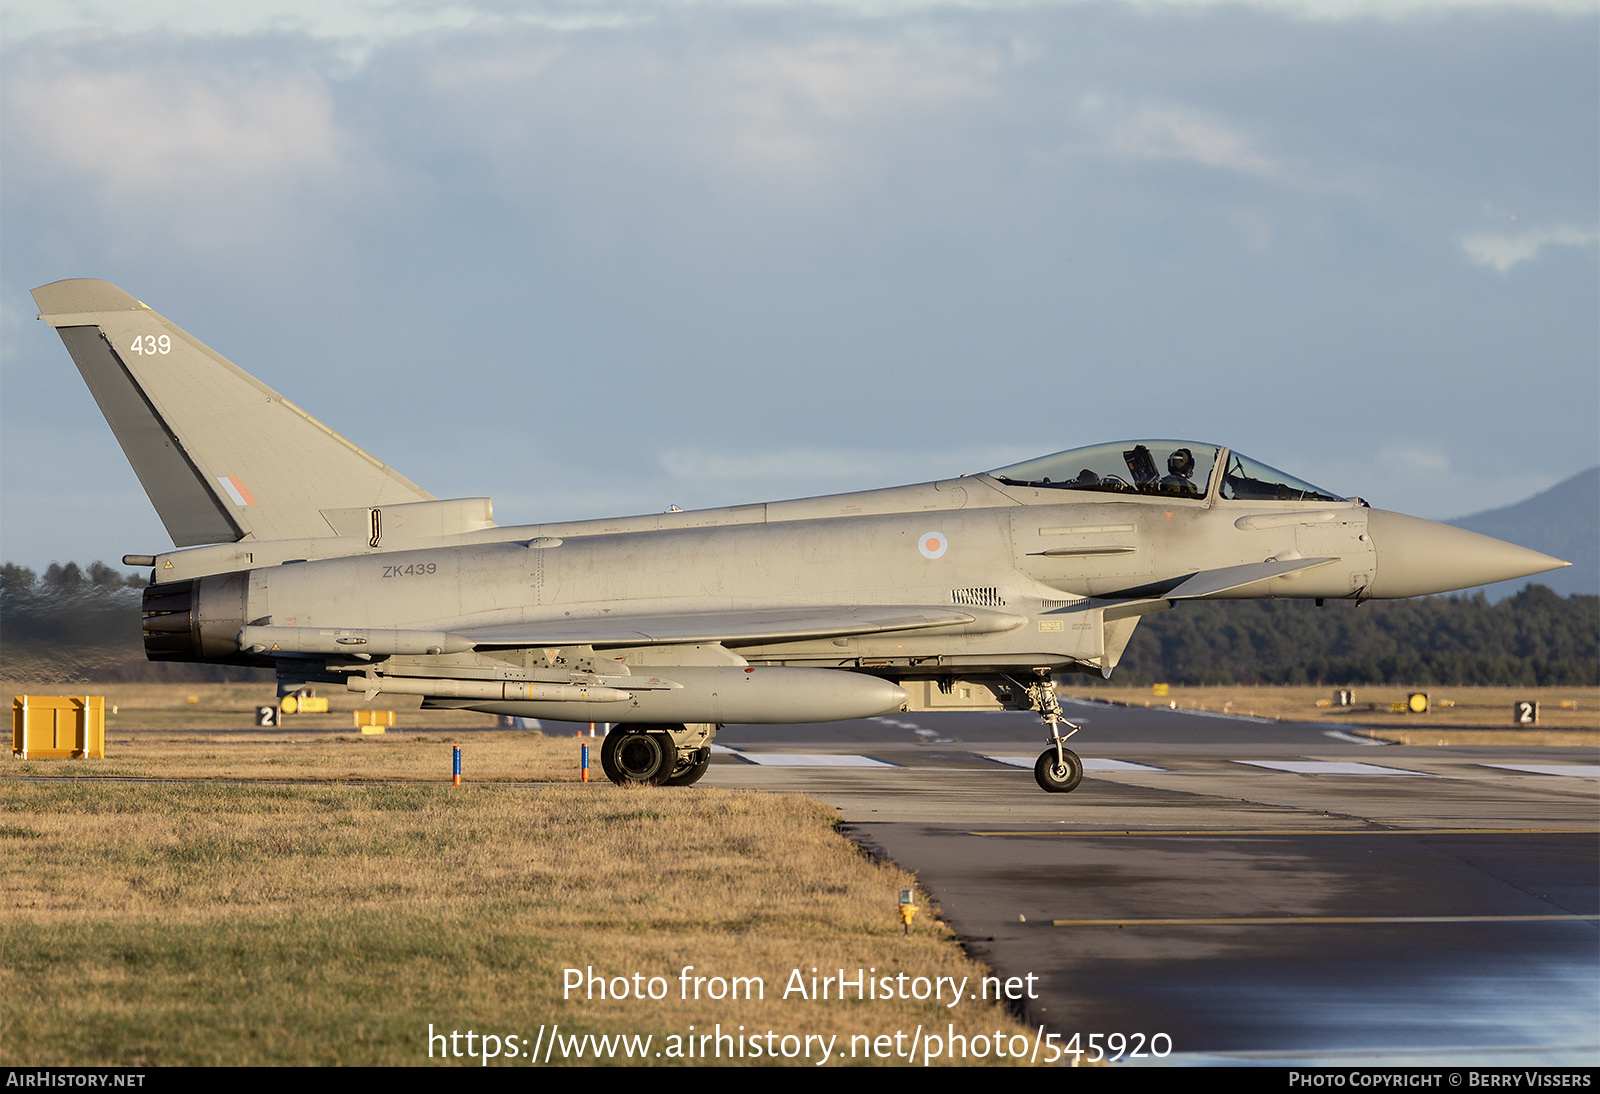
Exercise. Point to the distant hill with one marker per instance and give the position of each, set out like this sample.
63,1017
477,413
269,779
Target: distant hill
1564,521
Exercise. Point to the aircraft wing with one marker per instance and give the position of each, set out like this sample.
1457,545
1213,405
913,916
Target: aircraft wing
737,626
1228,578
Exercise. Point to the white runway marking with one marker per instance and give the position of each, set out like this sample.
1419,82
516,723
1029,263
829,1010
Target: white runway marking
1351,738
1117,765
929,736
1570,771
1329,767
1159,708
1088,764
805,759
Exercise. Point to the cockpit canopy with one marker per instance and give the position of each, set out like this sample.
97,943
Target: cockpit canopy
1174,469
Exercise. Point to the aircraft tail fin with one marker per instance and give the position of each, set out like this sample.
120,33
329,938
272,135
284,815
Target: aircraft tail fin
222,456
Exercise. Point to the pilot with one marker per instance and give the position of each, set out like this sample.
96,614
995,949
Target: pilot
1086,478
1179,480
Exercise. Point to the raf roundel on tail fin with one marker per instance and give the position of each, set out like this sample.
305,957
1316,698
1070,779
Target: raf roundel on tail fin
222,456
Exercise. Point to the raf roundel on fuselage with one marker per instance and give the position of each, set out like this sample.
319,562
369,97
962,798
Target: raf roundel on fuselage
1168,469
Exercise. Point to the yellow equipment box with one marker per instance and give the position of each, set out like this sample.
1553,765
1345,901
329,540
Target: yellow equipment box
293,704
58,727
374,721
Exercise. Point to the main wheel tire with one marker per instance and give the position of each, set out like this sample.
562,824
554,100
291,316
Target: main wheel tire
609,746
699,760
1052,777
633,757
608,758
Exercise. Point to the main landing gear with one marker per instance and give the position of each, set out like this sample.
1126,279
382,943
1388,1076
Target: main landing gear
1058,769
645,754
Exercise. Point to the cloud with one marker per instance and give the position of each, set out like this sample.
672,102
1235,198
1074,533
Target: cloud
1257,226
1414,459
1505,251
784,108
1386,10
140,131
1417,476
769,230
867,467
1182,134
376,22
201,155
783,115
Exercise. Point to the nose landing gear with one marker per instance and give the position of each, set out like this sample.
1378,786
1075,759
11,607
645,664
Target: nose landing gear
1058,769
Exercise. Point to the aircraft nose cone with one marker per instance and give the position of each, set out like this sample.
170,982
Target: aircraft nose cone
1417,557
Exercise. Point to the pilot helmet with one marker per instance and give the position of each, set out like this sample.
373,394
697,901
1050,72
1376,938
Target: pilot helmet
1181,462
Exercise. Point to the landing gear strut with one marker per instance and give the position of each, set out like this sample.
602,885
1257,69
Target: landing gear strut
1058,769
696,761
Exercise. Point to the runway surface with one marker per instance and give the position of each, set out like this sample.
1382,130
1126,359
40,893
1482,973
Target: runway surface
1253,890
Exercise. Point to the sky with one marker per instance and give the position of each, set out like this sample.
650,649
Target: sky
593,258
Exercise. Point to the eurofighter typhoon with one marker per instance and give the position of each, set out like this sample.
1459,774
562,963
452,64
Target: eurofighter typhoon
295,550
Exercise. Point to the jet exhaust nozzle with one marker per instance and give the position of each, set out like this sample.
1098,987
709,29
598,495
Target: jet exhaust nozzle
195,620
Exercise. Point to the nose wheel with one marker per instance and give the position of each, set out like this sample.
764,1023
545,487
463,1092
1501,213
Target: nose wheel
1058,771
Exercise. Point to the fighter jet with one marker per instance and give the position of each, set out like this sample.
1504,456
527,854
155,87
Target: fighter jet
297,551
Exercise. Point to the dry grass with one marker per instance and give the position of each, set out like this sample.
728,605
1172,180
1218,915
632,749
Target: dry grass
232,706
1451,709
240,923
157,732
1530,738
226,707
393,757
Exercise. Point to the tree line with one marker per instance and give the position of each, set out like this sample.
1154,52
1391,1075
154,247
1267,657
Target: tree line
81,623
1532,638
